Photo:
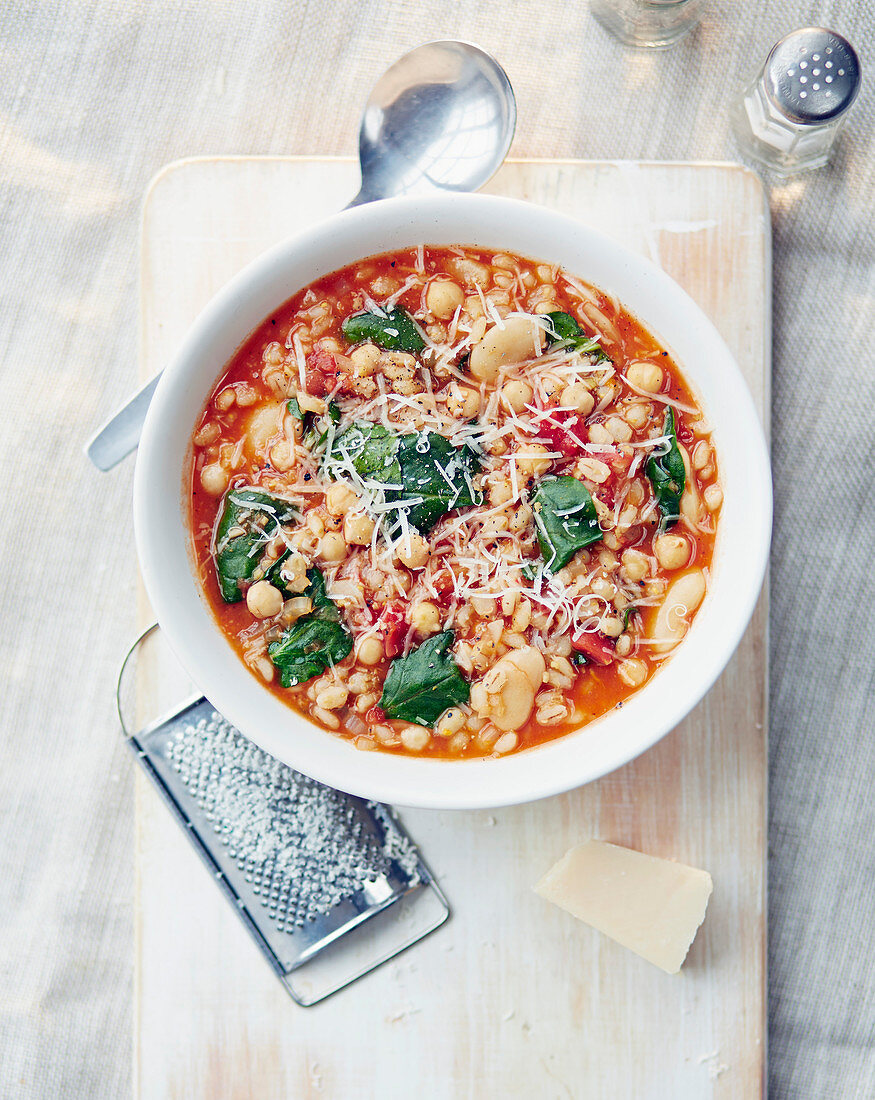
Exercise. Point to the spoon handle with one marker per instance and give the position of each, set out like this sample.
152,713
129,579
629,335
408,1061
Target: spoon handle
121,433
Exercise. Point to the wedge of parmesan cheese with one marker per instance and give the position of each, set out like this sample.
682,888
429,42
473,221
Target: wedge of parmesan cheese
652,906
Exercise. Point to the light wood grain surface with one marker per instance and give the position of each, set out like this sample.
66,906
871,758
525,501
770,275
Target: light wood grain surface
512,997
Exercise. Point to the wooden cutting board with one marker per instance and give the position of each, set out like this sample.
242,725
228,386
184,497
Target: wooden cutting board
511,997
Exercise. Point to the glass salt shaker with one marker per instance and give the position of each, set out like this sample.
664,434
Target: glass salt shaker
788,119
655,23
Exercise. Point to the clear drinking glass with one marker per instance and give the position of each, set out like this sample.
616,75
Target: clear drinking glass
655,23
788,119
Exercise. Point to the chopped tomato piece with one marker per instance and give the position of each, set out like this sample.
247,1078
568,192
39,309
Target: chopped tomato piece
324,374
595,647
394,628
375,714
566,432
443,586
321,373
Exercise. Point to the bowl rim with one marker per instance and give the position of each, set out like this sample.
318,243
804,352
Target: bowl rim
544,770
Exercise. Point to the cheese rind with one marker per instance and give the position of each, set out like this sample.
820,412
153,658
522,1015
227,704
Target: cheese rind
652,906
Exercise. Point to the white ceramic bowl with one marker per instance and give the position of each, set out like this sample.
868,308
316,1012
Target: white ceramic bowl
741,550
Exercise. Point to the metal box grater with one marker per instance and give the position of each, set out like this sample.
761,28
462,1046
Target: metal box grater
329,885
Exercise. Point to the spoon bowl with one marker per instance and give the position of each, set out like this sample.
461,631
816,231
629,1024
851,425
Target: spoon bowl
440,119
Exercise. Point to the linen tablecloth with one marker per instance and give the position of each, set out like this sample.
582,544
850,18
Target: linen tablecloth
94,98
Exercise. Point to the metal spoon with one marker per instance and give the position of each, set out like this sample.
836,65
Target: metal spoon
440,119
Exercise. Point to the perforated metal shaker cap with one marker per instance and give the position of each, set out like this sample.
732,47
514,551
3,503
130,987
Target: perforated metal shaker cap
812,75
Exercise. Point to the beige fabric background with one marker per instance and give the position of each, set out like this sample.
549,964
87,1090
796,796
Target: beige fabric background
94,98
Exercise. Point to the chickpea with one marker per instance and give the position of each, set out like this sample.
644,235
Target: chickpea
358,529
415,738
577,396
619,429
635,565
532,460
282,456
364,359
598,433
500,492
637,415
672,551
413,554
632,672
601,586
462,401
673,617
443,298
332,547
370,651
263,423
515,395
713,497
339,498
521,338
263,600
425,618
214,479
645,376
611,626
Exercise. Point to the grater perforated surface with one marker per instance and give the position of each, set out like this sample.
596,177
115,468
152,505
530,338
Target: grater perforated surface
301,846
330,885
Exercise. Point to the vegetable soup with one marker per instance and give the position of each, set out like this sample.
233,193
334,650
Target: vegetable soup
453,503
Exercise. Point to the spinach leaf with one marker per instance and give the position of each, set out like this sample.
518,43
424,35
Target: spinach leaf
315,642
437,475
373,450
294,408
393,329
248,520
422,685
667,474
565,520
316,427
565,330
